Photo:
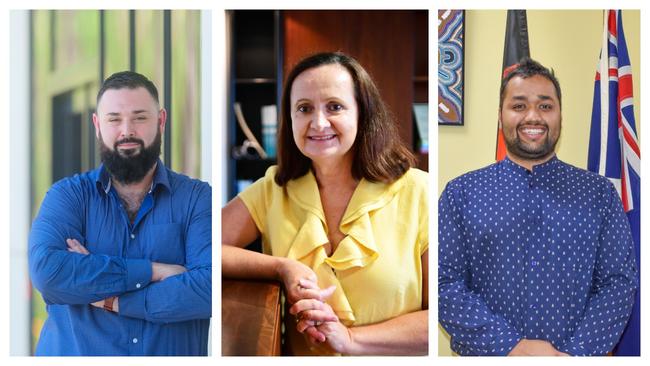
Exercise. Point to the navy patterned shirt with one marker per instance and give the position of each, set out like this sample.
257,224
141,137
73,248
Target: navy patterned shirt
544,254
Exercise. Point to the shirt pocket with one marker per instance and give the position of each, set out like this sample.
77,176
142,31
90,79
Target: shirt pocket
165,244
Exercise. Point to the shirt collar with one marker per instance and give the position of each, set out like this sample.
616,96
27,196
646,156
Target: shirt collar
548,165
160,177
368,196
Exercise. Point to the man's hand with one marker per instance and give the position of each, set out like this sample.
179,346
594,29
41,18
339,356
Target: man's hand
160,271
74,246
116,304
535,347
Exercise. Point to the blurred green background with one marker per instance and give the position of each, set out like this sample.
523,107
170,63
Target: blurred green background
72,52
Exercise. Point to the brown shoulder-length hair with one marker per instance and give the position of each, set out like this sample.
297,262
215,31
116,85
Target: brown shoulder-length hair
379,153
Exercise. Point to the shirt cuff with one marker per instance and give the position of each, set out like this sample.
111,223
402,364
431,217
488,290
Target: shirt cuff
138,274
132,304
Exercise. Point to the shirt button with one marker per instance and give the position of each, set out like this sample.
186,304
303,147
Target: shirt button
132,236
137,285
534,263
135,340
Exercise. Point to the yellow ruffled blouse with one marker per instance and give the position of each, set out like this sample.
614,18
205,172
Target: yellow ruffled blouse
376,268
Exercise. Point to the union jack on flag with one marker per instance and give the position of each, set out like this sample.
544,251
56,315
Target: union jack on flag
613,144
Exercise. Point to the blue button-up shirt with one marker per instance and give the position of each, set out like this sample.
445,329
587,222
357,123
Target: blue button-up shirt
544,254
173,226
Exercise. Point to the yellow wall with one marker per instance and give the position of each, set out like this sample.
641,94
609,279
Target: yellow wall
566,40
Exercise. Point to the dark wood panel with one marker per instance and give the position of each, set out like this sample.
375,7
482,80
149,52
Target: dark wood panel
421,80
423,161
250,318
421,44
382,41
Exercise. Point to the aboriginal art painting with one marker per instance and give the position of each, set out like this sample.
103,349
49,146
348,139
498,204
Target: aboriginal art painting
451,34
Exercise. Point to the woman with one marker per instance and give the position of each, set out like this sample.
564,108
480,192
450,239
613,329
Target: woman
343,219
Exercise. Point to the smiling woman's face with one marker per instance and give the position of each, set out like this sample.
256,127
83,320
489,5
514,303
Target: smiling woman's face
324,114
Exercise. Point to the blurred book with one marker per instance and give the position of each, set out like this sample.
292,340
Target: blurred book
421,117
269,129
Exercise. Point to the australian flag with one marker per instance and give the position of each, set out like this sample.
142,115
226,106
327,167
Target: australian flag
613,145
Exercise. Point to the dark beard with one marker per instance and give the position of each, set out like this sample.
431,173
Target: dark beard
130,167
520,149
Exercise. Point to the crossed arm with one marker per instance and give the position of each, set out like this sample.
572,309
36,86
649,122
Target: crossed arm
159,272
405,334
145,288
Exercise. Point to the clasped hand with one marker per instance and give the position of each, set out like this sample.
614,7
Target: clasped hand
314,317
318,321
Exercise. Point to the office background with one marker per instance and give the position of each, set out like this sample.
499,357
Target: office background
263,46
569,41
58,60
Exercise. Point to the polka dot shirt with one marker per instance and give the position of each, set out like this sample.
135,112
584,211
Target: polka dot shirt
544,254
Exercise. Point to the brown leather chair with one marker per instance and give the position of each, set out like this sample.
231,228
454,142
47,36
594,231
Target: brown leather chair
251,318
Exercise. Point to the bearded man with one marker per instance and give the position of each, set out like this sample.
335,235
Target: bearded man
122,254
535,255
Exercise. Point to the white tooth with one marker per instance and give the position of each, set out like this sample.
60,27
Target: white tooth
321,138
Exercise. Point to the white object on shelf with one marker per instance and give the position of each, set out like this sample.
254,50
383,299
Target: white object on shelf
247,131
269,129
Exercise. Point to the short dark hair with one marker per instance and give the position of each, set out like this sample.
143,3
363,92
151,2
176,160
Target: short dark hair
526,68
379,155
130,80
